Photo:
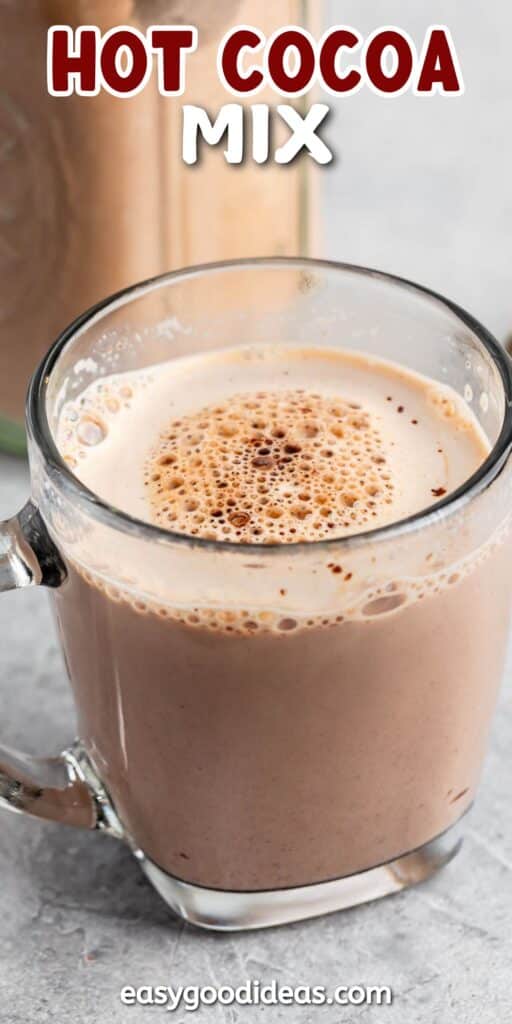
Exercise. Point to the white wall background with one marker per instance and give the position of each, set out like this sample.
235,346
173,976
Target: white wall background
423,188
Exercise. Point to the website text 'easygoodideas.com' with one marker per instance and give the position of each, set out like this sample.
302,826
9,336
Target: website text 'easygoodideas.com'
254,993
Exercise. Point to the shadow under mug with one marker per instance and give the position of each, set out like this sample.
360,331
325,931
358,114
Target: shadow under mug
274,741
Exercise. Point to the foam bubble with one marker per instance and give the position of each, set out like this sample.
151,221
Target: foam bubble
91,430
271,467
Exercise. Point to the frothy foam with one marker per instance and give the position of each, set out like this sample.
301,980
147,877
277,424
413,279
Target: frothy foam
371,604
272,467
268,445
265,445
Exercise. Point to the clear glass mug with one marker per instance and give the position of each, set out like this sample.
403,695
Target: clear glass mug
270,773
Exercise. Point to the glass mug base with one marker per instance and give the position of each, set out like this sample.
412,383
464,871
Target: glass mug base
83,800
222,910
219,910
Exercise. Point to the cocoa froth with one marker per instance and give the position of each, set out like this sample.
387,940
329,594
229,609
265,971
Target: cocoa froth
270,467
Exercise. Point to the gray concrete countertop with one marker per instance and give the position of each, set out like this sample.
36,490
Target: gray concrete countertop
78,921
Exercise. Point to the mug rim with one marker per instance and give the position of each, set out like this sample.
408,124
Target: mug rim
39,429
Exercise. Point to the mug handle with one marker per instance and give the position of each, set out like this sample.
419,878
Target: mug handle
63,788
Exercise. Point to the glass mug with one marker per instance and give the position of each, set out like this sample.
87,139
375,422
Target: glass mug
266,774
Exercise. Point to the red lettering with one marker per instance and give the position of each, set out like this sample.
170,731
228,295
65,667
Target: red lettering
404,61
130,79
439,65
282,80
64,65
340,39
83,61
172,42
240,39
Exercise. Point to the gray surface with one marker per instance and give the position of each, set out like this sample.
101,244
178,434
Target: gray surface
78,921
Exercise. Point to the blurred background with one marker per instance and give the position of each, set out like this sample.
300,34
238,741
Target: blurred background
94,194
422,187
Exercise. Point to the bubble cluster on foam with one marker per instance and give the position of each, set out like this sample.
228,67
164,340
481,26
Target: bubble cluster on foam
271,467
84,423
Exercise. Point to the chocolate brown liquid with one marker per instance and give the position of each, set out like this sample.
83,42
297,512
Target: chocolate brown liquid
265,760
247,752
